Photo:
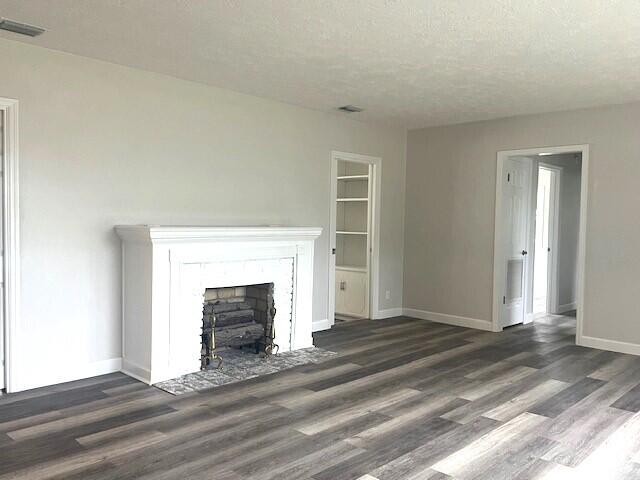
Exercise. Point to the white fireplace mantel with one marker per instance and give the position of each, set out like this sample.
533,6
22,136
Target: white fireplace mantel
165,270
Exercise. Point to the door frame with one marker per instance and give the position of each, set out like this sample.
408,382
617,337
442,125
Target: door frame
498,281
375,187
11,231
554,235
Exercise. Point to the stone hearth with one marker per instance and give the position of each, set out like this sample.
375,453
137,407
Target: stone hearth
242,365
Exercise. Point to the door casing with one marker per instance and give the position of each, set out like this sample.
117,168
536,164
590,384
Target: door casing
11,238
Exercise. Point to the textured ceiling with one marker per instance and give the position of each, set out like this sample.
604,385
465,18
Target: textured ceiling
411,63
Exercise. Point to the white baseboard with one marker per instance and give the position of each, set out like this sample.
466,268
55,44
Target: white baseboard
388,313
319,325
567,307
136,371
449,319
54,372
611,345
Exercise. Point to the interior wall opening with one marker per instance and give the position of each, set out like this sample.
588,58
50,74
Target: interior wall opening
539,237
354,237
556,236
353,213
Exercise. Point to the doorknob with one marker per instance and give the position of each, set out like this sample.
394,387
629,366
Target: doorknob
524,252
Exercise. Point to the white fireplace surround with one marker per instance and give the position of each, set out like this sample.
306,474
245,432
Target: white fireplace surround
166,270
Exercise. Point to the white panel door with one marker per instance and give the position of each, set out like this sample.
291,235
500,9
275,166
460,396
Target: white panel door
2,361
516,197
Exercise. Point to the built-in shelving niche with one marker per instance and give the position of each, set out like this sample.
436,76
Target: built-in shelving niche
352,238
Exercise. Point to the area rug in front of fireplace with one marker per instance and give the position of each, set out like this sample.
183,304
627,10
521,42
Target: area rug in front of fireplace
241,365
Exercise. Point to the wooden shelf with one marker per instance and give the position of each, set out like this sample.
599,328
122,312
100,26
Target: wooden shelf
352,199
344,232
353,177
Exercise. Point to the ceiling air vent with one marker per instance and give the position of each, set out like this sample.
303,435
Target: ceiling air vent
351,109
21,28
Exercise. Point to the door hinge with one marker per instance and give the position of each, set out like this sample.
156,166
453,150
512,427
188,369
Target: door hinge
333,251
504,300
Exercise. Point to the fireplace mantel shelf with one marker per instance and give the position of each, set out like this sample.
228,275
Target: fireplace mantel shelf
212,233
166,270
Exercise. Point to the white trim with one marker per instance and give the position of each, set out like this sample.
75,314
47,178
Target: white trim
449,319
176,233
611,345
136,371
554,225
582,245
497,255
11,229
567,307
319,325
375,186
68,371
388,313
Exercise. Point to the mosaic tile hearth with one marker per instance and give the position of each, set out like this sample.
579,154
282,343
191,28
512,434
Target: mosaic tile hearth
241,365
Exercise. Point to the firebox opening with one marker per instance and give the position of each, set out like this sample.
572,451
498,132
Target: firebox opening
237,318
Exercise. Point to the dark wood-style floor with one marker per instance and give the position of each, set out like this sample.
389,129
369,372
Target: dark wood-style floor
405,399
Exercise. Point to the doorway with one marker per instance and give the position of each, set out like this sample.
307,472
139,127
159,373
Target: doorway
2,322
547,209
9,242
539,234
355,186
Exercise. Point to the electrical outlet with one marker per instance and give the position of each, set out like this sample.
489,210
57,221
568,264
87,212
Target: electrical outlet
387,295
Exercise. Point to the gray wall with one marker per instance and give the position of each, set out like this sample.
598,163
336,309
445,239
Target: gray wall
102,144
450,202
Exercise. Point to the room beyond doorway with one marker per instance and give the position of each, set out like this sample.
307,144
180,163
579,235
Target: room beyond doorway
556,223
539,236
544,231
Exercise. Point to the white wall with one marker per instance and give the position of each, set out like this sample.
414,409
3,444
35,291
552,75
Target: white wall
102,144
450,204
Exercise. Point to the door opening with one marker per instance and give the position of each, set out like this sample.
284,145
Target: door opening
546,239
540,235
355,183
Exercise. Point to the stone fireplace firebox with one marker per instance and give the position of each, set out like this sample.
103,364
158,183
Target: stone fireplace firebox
237,317
170,272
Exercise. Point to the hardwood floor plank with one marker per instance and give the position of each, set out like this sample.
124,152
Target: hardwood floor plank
417,463
370,460
630,401
465,461
403,399
520,403
554,406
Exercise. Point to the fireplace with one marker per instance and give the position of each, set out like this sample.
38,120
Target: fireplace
237,318
167,270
